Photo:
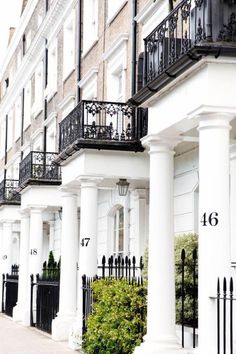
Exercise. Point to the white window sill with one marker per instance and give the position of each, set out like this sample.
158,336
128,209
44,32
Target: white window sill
87,50
27,125
111,18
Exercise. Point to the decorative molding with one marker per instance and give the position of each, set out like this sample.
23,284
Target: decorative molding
89,76
148,10
65,101
50,119
121,39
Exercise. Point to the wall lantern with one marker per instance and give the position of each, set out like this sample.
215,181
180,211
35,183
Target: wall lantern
123,187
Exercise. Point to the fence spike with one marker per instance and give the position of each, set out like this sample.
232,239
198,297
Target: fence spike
194,254
231,285
183,254
224,285
218,285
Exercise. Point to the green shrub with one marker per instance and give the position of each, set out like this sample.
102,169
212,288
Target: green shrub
114,326
188,242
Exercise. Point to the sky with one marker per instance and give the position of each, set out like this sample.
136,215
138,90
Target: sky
9,17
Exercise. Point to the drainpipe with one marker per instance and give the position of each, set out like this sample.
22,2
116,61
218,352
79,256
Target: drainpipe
79,49
134,46
22,120
45,110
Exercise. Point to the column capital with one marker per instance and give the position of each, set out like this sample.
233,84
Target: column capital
217,120
157,143
37,209
89,181
140,193
67,191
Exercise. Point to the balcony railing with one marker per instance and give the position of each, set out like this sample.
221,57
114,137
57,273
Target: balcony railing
193,29
8,192
39,168
103,125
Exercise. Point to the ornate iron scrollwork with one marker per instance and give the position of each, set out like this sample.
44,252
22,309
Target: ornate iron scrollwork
228,33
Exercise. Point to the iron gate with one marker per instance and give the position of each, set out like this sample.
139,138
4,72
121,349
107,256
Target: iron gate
45,298
10,291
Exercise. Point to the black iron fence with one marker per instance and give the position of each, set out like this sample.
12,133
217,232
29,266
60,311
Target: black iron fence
130,269
225,316
10,290
102,121
39,166
187,294
114,268
45,297
8,192
191,24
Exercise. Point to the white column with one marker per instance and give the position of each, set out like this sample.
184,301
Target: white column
7,246
161,334
1,263
233,203
214,237
51,235
36,240
88,227
69,252
88,244
140,221
21,311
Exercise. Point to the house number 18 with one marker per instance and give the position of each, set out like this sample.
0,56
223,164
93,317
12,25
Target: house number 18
211,220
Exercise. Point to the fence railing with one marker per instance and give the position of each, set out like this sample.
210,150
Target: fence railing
113,268
130,269
187,294
39,166
102,121
120,267
225,316
8,191
10,290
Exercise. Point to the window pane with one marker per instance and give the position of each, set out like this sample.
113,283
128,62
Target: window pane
121,240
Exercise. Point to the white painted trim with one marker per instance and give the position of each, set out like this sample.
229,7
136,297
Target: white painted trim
121,39
110,19
90,75
65,101
148,10
36,133
50,118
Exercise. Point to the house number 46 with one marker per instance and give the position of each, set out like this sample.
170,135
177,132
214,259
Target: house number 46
211,220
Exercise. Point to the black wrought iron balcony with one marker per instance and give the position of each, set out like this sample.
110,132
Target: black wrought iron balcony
102,125
9,193
39,168
194,29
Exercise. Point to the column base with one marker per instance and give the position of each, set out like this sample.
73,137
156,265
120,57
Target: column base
21,315
75,336
154,347
61,327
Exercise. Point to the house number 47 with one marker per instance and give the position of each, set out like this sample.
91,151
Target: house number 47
211,219
85,242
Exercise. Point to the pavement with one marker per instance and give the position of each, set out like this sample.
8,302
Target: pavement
17,339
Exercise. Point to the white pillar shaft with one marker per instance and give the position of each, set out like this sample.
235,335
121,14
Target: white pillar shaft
22,308
7,246
214,241
51,235
88,229
161,274
1,263
69,251
36,240
233,203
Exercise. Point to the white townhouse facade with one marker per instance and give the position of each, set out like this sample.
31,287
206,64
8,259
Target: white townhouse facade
87,102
